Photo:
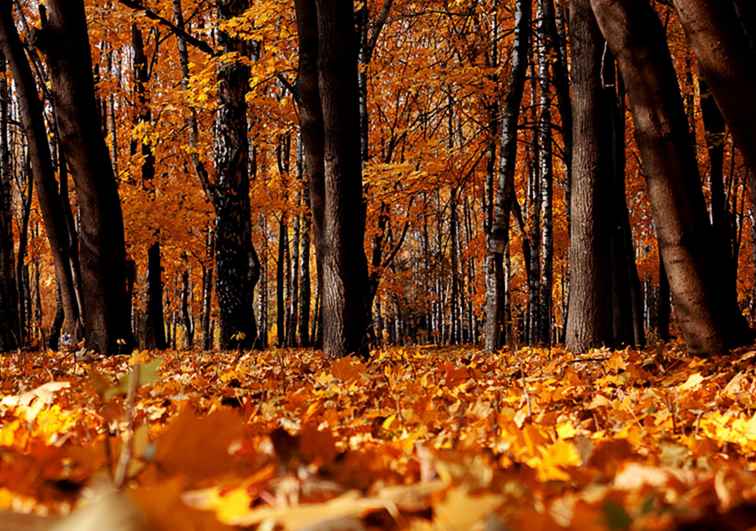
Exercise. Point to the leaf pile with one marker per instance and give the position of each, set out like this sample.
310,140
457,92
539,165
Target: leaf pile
417,438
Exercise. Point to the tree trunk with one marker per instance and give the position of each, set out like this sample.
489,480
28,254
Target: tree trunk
345,275
726,60
153,325
9,320
64,39
186,309
235,257
304,286
636,37
504,193
207,291
313,135
588,321
23,244
545,19
281,282
663,309
53,215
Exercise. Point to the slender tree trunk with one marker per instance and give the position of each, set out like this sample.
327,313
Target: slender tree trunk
281,282
153,333
186,309
546,170
636,37
9,321
64,39
304,287
293,316
504,192
263,295
23,243
345,275
663,307
154,325
207,291
313,135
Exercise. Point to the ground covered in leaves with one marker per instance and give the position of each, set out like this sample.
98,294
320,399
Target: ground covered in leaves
416,438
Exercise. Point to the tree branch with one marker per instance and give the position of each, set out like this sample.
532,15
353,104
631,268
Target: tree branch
188,38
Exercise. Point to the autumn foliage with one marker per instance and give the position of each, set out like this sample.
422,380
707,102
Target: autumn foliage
415,439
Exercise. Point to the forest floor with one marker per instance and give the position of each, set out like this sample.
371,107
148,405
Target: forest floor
416,438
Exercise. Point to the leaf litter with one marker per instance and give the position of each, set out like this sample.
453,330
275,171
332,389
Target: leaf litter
414,438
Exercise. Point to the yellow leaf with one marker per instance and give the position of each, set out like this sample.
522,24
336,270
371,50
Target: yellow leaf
460,511
693,381
565,430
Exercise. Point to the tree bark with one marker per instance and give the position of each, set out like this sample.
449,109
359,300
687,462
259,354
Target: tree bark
304,286
345,275
504,193
726,60
64,39
637,39
207,292
53,215
9,321
588,321
313,136
545,19
237,265
186,309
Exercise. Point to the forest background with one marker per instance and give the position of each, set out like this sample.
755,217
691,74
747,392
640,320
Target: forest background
302,221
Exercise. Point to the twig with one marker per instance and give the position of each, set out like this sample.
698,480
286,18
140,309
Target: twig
128,443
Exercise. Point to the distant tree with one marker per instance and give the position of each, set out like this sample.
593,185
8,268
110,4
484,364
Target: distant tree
153,326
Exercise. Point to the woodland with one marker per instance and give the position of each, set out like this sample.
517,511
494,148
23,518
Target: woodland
377,264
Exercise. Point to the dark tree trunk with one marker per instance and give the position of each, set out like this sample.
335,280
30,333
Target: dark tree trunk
153,325
186,309
207,292
636,37
64,39
304,286
726,60
9,321
281,283
663,308
626,311
23,244
235,257
313,135
561,79
53,215
504,192
747,14
345,282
